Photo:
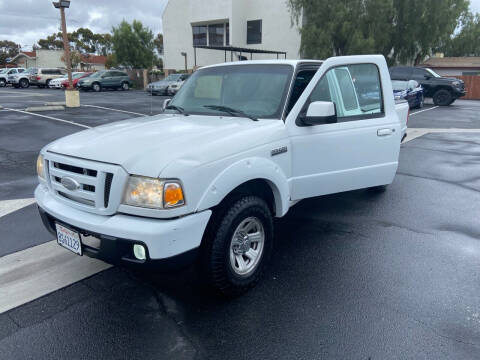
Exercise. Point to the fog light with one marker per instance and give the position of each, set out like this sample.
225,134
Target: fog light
139,252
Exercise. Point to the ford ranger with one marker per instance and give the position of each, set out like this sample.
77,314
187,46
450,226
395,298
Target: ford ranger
239,144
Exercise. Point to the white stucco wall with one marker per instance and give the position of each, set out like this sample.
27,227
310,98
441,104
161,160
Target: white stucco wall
277,31
50,59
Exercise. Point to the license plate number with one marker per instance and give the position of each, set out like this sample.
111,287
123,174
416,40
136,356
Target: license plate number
69,239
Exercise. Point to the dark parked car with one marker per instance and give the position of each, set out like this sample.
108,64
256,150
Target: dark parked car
410,91
444,91
113,79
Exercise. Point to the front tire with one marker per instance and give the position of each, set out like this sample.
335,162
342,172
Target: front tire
3,83
24,83
442,98
96,87
125,86
237,246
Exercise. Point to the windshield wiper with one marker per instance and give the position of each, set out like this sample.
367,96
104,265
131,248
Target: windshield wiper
178,108
230,111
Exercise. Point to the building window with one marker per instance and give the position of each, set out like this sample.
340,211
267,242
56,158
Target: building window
215,34
254,32
227,34
199,35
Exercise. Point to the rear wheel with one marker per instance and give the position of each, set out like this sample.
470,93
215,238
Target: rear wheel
237,246
47,83
24,83
125,86
442,97
96,87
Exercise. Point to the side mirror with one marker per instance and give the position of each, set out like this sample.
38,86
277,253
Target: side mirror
165,104
320,112
427,77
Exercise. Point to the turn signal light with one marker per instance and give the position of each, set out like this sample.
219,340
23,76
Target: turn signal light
173,195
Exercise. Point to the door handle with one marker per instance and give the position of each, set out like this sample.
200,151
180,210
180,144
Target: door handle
385,132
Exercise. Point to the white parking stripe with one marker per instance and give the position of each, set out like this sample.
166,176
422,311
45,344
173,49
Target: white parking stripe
413,133
49,117
29,274
122,111
9,206
421,111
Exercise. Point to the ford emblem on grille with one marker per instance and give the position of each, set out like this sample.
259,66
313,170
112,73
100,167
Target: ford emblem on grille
69,183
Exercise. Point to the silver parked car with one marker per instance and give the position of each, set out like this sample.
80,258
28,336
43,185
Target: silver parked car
162,87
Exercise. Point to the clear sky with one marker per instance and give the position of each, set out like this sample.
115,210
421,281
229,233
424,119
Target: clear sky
26,21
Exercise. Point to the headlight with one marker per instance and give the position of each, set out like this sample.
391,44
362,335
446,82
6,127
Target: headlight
40,167
456,83
153,193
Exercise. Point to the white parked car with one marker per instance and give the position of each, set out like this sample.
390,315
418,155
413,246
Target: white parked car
57,83
238,145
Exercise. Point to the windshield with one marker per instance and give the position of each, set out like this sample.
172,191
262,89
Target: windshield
434,74
97,74
173,77
256,90
3,71
399,85
77,75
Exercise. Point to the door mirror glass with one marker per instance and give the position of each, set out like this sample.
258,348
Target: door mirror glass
165,104
320,112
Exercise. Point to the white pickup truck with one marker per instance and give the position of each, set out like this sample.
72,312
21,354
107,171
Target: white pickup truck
239,144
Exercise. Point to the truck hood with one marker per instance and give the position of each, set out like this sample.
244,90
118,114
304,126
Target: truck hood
146,145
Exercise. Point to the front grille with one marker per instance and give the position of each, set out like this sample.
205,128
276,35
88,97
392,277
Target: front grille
86,184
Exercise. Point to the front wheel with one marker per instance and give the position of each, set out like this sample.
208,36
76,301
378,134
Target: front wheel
3,83
442,97
237,246
24,83
125,86
96,87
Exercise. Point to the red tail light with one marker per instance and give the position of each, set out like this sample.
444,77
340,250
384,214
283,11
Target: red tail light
38,77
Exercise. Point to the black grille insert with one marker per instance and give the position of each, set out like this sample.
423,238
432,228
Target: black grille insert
75,169
108,186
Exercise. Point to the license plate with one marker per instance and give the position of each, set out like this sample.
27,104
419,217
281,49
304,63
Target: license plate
69,239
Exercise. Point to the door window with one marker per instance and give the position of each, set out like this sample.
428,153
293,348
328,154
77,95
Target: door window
420,74
355,89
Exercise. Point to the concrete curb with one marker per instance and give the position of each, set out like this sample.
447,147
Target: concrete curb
44,108
55,103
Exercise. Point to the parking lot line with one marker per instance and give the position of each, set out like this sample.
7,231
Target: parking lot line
9,206
37,271
421,111
49,117
122,111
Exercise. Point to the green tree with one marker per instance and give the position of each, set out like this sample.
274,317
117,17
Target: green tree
52,42
8,49
82,40
111,61
133,44
467,41
402,30
422,27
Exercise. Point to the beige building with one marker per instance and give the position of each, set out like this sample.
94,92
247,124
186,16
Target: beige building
40,59
192,28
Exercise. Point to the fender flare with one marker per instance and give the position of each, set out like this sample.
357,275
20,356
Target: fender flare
243,171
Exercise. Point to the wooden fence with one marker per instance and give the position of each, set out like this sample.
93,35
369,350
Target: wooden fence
472,86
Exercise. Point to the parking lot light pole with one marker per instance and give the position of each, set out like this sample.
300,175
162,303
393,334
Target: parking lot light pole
184,54
72,98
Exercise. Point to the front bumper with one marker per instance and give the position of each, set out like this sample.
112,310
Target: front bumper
165,240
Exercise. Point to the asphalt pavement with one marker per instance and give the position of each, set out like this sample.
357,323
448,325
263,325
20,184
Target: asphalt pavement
354,276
